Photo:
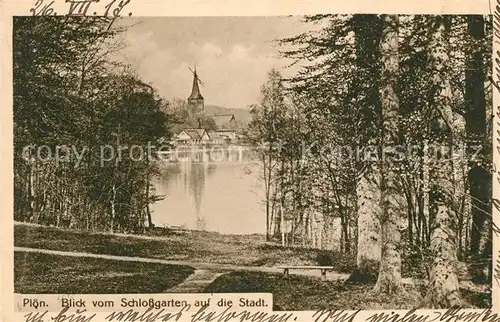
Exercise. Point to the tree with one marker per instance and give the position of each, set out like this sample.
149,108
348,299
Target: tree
479,178
368,34
264,130
389,278
443,284
188,116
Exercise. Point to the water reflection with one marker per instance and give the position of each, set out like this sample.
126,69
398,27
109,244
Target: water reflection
216,190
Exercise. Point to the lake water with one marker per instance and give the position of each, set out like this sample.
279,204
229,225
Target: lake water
214,192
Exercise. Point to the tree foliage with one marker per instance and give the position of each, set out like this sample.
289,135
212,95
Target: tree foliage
77,116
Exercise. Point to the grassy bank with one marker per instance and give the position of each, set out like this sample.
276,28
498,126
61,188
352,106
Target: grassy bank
305,293
51,274
247,250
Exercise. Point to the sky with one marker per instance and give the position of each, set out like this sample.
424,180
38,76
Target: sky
232,54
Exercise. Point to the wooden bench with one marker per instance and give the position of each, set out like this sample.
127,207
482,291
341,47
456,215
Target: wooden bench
323,269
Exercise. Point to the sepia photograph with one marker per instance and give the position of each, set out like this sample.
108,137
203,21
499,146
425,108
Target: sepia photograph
333,161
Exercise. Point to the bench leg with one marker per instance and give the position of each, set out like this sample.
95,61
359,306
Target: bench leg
286,272
323,274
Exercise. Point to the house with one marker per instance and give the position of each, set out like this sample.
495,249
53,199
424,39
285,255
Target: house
216,138
192,137
228,135
225,122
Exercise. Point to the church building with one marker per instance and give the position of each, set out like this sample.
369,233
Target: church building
225,124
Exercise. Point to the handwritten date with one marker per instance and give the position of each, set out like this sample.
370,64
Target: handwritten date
41,9
81,8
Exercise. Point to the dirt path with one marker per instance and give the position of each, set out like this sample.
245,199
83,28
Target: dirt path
200,267
196,283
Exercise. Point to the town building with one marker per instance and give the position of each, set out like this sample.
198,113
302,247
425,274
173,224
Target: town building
204,137
225,122
192,137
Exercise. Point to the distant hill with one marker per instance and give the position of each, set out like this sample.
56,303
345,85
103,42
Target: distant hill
242,115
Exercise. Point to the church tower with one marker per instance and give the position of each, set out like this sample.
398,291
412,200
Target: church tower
195,99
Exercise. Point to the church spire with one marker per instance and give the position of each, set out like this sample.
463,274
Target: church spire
195,98
195,92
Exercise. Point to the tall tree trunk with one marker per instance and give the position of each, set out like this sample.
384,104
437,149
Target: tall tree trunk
344,222
475,124
268,185
367,37
411,215
282,225
443,291
114,184
148,210
368,256
389,278
113,209
31,192
426,187
279,215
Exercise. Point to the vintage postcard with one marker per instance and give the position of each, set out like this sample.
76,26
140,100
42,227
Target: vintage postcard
278,162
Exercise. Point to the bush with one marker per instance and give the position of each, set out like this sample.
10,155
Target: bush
415,262
341,263
325,258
